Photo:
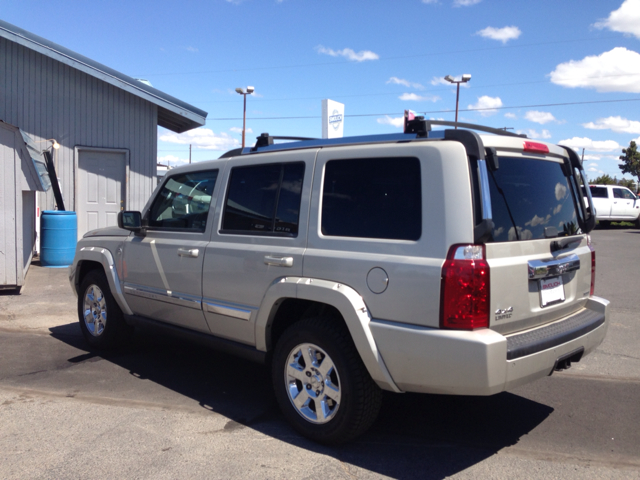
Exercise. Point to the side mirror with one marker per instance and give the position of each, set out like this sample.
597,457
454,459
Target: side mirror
130,220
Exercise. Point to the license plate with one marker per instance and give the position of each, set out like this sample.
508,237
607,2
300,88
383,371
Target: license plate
551,291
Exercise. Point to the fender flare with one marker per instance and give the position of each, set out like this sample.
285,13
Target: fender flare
342,297
104,257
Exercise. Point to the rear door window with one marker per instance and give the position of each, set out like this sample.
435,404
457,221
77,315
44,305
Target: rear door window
264,199
529,195
598,192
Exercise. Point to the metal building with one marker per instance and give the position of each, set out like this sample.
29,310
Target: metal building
104,121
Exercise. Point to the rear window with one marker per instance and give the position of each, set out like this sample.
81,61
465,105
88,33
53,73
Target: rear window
372,198
529,195
598,192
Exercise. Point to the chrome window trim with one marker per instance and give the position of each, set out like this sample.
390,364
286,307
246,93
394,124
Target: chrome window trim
485,196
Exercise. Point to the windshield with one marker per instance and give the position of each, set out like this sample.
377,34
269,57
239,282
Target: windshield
529,195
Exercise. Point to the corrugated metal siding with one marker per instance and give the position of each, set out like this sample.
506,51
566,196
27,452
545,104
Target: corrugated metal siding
48,99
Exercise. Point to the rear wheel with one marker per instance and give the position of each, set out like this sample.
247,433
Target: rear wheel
322,386
101,320
604,223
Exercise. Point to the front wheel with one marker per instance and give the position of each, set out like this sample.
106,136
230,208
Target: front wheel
101,320
321,384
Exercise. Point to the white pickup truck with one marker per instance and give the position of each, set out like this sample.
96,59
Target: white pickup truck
614,203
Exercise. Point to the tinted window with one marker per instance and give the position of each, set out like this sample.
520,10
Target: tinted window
623,193
372,198
183,202
598,192
529,195
264,199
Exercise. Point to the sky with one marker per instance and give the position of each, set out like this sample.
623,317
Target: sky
566,71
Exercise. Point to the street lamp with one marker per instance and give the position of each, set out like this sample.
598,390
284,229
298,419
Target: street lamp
244,111
55,145
465,78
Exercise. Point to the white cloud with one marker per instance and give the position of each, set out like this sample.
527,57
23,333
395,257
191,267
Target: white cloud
397,122
202,138
512,116
535,134
349,54
418,98
561,191
191,49
503,34
239,130
539,117
172,160
536,220
615,71
429,1
406,83
617,124
578,143
465,3
625,20
523,234
486,105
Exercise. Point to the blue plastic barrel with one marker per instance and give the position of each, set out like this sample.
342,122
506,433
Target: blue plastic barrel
58,238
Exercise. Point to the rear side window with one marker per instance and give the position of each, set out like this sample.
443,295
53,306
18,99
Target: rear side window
598,192
183,202
264,199
372,198
528,195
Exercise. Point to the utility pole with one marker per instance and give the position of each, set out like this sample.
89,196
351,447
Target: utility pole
189,154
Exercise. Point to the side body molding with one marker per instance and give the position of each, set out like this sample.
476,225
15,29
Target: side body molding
102,256
348,302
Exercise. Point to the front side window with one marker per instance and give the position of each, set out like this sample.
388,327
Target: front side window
372,198
264,199
528,195
623,193
183,202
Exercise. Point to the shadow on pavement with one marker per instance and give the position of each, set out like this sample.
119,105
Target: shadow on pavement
416,436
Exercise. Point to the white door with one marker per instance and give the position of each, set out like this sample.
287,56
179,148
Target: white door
101,185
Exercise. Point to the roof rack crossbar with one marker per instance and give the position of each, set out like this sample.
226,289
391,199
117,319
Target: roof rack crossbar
264,140
473,126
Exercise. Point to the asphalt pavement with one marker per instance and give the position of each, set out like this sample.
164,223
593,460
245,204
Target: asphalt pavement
162,408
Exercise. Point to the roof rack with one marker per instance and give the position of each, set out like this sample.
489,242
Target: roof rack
416,129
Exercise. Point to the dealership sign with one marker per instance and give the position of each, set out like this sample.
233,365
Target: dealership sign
332,119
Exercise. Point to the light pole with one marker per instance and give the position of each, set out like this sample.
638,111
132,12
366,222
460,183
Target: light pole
465,78
244,110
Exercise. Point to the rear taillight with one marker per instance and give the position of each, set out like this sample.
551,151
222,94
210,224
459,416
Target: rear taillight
465,288
593,265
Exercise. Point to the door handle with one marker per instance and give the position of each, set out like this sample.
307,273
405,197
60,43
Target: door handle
278,261
188,252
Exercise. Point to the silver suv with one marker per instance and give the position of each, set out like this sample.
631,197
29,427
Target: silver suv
442,262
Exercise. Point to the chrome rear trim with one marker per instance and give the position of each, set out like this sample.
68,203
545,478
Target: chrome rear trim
553,267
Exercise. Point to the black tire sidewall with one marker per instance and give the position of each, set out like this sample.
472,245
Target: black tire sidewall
337,429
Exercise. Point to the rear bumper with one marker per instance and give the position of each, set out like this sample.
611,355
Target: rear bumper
484,362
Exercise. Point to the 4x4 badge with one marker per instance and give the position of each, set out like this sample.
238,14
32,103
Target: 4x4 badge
501,314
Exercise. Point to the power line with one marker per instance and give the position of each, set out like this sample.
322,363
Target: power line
438,111
400,57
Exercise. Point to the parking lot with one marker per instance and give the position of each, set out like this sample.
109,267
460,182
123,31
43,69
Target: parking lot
165,409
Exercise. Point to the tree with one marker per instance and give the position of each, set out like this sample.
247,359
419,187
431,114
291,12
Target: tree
603,180
631,160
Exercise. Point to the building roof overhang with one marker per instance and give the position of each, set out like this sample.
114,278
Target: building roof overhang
173,114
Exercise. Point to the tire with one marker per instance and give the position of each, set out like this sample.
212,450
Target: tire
604,223
101,320
637,222
329,403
